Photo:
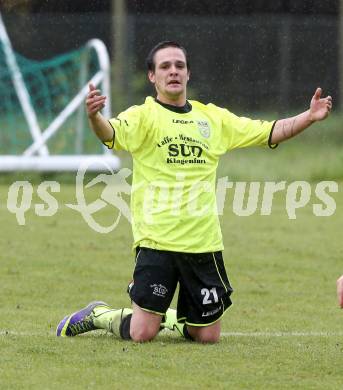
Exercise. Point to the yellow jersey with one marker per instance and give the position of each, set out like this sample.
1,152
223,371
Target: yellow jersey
175,152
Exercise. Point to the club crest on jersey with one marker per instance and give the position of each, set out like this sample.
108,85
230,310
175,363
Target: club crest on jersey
204,128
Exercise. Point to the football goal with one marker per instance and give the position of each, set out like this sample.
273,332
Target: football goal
43,123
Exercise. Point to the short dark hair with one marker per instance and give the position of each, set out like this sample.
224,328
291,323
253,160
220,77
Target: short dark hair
150,62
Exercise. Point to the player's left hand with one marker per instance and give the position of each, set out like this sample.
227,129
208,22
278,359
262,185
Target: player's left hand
340,291
320,108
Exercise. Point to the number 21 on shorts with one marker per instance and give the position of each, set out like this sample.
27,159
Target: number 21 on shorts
210,296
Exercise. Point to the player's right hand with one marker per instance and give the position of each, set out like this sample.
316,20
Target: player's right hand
94,101
340,291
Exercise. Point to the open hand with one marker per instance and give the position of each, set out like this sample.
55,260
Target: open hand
320,107
94,101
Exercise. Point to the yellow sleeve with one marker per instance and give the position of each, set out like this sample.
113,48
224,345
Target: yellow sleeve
129,130
240,132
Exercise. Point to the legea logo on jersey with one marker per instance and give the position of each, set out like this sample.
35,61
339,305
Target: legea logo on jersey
204,128
182,121
116,185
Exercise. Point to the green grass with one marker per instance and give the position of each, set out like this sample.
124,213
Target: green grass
283,272
315,155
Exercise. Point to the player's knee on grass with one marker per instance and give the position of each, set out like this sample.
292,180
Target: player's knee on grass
144,325
205,334
140,335
144,331
340,291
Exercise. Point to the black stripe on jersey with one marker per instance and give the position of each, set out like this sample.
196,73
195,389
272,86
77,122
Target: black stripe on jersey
270,138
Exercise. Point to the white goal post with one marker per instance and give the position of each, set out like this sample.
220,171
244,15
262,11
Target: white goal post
37,157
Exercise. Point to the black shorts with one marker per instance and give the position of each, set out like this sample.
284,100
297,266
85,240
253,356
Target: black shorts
204,293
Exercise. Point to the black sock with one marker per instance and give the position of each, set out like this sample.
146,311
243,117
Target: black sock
186,333
124,328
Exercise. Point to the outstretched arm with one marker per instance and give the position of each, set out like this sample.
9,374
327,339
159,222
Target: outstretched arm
94,103
340,291
290,127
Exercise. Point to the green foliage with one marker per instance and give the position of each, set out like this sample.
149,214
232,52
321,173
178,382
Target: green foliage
283,272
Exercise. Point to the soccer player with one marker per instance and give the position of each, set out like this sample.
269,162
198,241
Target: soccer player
175,145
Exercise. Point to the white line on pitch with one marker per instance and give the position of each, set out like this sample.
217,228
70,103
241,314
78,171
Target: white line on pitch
223,334
281,334
24,334
39,334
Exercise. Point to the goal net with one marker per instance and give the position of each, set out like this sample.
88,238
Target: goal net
43,124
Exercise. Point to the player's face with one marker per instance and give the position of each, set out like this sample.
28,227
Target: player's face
170,76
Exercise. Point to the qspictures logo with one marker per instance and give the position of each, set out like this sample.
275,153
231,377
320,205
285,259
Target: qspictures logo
247,198
20,195
115,185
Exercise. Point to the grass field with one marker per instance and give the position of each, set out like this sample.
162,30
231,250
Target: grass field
284,331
